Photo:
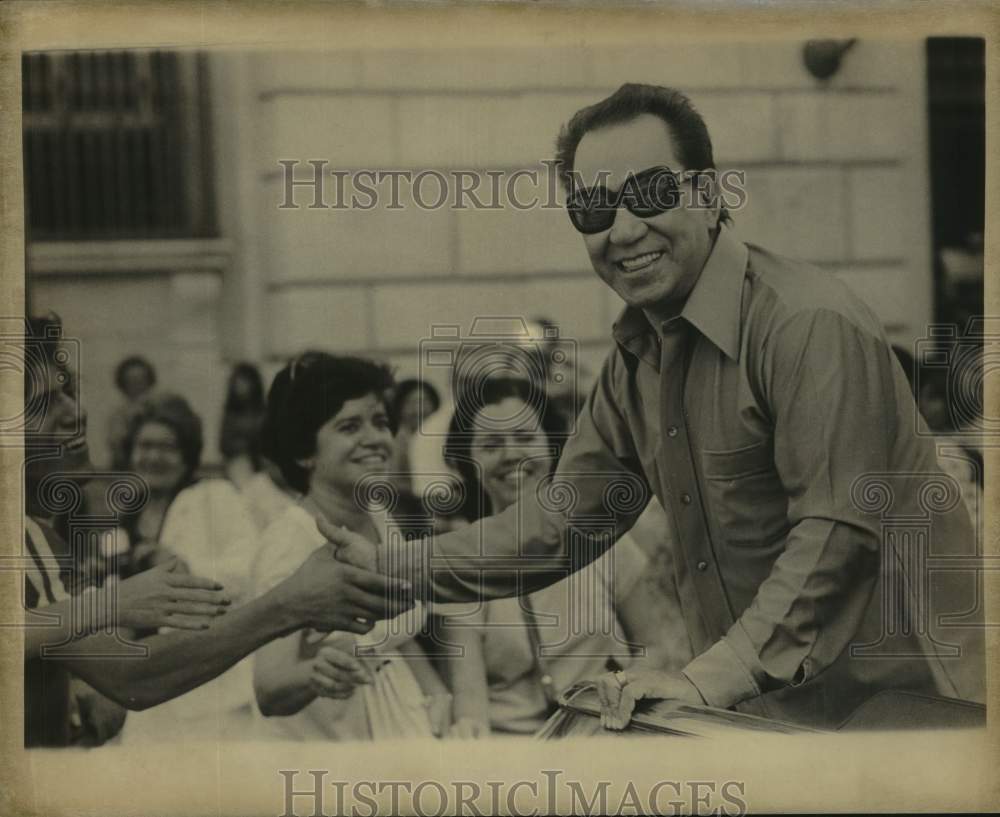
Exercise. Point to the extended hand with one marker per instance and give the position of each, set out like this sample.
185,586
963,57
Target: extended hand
327,594
168,596
618,692
336,672
350,547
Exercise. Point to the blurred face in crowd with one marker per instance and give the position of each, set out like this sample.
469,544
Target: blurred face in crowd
136,381
417,401
508,446
355,442
242,387
652,263
157,457
54,421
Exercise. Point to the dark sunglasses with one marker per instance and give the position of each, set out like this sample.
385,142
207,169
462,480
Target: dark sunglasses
648,193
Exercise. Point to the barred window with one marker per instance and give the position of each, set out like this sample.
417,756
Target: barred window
116,146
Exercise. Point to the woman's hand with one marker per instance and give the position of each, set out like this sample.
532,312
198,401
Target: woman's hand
469,729
335,673
168,596
619,691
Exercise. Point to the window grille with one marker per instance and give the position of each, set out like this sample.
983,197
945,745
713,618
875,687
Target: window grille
116,146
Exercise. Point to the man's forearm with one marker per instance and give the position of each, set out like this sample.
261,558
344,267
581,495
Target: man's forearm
521,550
821,586
75,620
180,661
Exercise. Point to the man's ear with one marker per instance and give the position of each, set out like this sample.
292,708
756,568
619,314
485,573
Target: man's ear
706,191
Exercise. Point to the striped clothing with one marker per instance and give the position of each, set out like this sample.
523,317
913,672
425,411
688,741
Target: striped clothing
46,681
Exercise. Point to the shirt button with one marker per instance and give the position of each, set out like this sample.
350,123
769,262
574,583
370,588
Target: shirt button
685,499
703,566
672,431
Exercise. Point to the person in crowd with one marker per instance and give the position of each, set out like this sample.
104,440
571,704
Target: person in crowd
413,401
214,527
135,378
267,493
322,594
334,432
515,350
518,654
163,446
242,416
752,394
564,374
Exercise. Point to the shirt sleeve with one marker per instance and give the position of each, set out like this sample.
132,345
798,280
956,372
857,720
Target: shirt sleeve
596,493
829,385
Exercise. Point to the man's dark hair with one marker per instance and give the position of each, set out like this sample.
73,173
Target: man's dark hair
686,127
305,395
130,362
458,443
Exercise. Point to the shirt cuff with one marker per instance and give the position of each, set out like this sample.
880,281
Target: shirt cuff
720,675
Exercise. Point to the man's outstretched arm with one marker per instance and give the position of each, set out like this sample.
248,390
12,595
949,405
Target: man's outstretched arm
323,593
596,494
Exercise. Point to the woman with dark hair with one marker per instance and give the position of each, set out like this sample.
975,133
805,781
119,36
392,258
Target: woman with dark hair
520,653
163,447
333,443
241,419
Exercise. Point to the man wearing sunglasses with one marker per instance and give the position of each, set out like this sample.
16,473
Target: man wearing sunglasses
761,402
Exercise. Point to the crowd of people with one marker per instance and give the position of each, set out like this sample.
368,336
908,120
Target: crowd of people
297,452
292,594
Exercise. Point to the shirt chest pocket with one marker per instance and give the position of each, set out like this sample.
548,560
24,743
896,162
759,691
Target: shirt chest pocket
745,497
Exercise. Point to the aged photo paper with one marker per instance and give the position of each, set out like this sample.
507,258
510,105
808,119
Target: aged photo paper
513,408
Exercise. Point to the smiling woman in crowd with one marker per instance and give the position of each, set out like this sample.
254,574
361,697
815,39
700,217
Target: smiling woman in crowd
163,447
520,653
333,431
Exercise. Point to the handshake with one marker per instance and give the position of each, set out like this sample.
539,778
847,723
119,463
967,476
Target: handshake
339,587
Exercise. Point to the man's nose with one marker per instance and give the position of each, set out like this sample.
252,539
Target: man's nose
628,228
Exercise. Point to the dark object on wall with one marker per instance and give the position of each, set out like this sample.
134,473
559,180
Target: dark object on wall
823,57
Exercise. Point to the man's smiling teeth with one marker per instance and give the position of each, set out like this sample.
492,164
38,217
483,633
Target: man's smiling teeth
640,261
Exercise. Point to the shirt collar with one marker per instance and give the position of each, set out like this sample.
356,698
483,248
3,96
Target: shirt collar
714,306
